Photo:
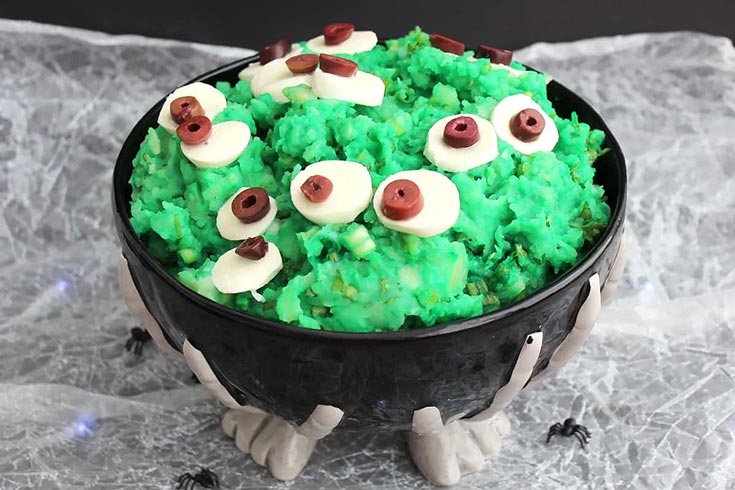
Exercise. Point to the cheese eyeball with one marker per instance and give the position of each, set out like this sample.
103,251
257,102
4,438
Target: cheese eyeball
226,142
440,209
361,88
351,192
233,274
249,72
274,76
359,41
211,100
438,152
504,113
232,228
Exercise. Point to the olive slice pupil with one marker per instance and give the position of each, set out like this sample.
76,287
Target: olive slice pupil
461,127
249,202
194,127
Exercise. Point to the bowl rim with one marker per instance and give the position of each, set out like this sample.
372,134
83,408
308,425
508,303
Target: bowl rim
121,209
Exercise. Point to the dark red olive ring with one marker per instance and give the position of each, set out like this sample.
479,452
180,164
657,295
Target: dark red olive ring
337,33
184,108
302,63
461,132
279,49
496,55
317,188
337,66
527,125
402,200
251,205
253,248
194,130
446,44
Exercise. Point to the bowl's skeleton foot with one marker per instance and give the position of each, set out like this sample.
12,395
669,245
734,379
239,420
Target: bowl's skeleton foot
271,441
586,318
443,453
280,446
138,308
616,272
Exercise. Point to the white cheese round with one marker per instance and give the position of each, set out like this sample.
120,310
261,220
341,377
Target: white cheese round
211,100
359,41
252,69
362,88
232,228
273,77
234,274
461,159
351,192
226,142
441,204
504,113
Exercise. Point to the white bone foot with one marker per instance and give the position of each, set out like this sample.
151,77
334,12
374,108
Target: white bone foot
586,318
616,272
518,378
138,308
445,454
271,441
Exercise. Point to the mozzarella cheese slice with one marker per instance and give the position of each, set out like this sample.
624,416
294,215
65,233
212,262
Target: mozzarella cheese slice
461,159
358,42
226,142
274,77
211,100
504,113
232,228
233,274
362,88
249,72
351,192
441,204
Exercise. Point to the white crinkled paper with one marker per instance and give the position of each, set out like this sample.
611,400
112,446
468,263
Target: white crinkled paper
655,383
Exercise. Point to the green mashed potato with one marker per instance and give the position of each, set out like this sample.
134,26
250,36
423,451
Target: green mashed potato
524,220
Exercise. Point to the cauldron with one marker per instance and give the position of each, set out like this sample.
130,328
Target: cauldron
378,380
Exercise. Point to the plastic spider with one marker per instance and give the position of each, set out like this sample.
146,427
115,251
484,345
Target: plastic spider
138,338
205,478
569,429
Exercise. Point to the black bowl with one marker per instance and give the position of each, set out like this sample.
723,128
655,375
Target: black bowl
377,379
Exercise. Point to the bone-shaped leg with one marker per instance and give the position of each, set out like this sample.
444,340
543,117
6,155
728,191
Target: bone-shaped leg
276,444
443,453
138,308
272,442
519,377
616,272
321,422
586,319
199,365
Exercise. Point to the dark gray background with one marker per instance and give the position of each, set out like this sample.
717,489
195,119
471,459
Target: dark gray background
511,24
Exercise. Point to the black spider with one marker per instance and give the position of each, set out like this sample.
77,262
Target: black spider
205,478
569,429
138,338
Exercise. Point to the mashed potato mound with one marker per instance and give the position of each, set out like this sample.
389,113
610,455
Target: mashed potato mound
524,220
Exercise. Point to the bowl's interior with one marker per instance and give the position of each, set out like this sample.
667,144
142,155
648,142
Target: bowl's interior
610,174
